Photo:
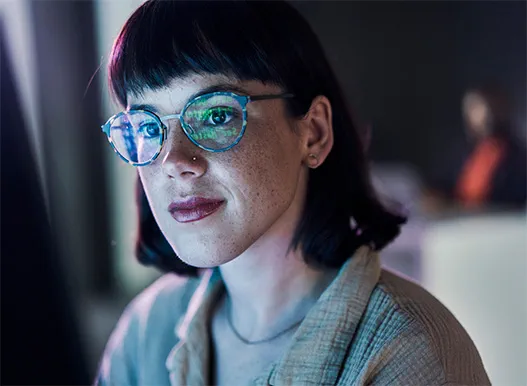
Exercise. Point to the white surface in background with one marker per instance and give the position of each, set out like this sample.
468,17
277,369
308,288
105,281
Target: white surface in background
478,268
401,184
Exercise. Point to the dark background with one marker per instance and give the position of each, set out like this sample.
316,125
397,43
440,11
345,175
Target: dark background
405,66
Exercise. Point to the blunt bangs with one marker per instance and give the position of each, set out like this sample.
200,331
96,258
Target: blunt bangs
166,40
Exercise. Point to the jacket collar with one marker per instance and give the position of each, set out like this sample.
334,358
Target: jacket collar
188,362
319,346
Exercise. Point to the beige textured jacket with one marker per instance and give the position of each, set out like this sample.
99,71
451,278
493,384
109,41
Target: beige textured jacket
370,327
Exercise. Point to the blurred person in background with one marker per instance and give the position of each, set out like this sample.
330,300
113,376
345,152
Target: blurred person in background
252,171
489,169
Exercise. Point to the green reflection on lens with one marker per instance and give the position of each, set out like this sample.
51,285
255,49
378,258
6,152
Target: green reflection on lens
212,133
204,114
205,134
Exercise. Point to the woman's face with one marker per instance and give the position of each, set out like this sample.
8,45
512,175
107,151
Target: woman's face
248,192
476,114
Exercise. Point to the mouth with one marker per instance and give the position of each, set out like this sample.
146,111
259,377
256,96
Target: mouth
194,209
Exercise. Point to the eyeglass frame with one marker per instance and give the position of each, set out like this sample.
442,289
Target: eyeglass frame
243,100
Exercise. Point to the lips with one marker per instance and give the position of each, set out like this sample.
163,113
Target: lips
194,209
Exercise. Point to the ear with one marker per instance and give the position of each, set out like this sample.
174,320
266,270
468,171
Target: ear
316,129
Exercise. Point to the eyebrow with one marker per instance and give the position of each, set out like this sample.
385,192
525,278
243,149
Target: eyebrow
219,87
143,107
206,90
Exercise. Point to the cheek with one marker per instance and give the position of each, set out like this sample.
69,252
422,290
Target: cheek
266,166
147,176
151,180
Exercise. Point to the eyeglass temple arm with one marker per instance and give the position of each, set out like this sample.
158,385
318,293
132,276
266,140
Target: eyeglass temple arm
265,97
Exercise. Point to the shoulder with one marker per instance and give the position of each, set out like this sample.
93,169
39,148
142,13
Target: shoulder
161,303
416,339
414,305
145,332
167,297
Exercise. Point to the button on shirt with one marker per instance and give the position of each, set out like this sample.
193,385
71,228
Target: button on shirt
369,327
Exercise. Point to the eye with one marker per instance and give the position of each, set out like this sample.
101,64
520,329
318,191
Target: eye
150,130
218,115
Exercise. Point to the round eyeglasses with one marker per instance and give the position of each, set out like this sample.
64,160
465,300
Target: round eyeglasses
214,122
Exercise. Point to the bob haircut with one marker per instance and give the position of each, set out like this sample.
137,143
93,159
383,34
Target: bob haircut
267,41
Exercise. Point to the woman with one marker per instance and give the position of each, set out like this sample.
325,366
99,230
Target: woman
494,171
252,167
488,170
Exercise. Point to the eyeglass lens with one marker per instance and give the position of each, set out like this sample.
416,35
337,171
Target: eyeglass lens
214,122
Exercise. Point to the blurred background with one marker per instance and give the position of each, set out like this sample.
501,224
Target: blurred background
423,79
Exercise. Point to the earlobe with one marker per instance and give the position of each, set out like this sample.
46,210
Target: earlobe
312,160
318,126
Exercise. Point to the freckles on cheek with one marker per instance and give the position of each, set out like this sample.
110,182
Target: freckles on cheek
150,179
262,168
270,188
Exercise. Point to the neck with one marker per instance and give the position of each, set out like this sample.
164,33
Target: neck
270,287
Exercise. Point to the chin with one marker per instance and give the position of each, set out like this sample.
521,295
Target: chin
210,250
204,258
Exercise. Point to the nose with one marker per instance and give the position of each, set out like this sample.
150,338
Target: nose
180,157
